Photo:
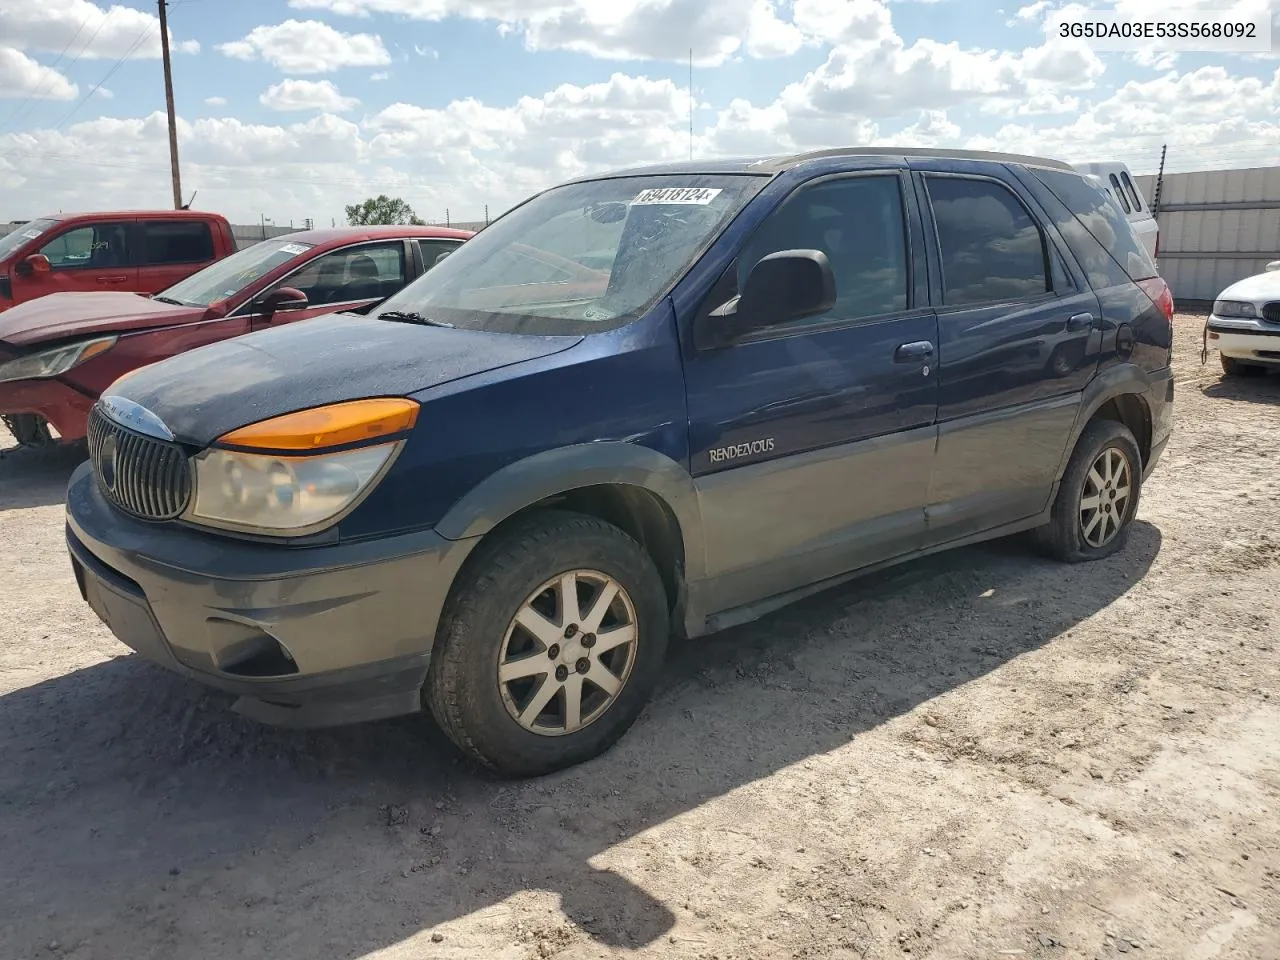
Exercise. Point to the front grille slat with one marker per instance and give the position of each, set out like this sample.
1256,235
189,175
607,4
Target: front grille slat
146,477
1271,311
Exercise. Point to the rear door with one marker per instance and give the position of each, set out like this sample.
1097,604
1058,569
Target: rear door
1019,339
812,442
83,257
171,250
431,249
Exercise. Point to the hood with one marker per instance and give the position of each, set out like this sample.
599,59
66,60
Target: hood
207,392
1258,288
60,316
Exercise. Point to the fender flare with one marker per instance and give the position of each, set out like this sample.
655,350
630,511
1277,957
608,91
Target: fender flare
1120,380
523,483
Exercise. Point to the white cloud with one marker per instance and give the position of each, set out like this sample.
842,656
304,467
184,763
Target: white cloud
379,76
307,95
431,52
216,101
308,46
84,29
22,77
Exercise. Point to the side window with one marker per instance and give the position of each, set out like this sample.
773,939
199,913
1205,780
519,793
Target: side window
858,223
358,273
991,246
431,249
177,241
1133,190
1117,191
99,246
1099,236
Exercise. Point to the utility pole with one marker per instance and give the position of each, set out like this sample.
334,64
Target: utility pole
691,103
168,101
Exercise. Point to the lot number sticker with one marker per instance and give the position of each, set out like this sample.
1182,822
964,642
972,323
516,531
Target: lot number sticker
293,249
698,196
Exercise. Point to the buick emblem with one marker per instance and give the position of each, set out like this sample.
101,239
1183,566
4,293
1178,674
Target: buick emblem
134,416
107,463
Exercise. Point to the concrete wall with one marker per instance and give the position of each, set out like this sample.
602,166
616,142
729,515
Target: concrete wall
1216,227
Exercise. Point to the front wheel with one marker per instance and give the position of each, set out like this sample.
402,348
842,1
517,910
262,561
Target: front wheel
1231,367
1098,497
551,647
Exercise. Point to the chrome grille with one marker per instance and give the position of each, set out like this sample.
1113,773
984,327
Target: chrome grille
143,476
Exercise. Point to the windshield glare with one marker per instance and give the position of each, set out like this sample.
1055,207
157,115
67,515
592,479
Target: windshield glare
23,234
227,277
579,258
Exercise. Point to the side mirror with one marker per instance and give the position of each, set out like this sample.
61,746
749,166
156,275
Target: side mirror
284,300
436,263
36,263
784,286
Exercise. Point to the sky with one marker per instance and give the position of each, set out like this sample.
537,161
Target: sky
291,109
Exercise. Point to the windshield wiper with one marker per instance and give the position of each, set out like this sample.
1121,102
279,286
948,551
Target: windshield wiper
176,303
402,316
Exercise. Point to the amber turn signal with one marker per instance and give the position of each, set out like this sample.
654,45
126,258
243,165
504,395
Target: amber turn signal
333,426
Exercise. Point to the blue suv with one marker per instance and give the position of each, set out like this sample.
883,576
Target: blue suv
663,400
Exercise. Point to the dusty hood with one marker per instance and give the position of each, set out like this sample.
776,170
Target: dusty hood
1258,288
202,394
61,316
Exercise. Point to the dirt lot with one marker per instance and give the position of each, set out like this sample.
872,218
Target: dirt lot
979,755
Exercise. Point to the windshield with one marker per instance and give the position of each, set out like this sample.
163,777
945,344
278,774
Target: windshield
580,258
227,277
28,231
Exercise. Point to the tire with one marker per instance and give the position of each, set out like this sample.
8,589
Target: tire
1232,367
29,430
1064,537
479,631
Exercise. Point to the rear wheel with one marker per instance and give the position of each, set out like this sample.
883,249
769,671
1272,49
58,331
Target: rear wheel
552,646
1098,497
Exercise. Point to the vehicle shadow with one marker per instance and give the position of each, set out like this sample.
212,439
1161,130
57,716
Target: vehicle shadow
1264,388
36,477
138,815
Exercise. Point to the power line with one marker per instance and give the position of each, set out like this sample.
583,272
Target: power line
142,37
31,97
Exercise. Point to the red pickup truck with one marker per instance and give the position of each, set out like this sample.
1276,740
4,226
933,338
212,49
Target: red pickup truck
136,251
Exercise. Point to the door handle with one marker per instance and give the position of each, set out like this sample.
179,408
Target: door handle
911,352
112,279
1081,321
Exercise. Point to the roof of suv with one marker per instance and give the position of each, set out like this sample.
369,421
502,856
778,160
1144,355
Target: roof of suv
771,165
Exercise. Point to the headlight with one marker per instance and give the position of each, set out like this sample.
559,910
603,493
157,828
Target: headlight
54,362
1234,308
282,494
298,473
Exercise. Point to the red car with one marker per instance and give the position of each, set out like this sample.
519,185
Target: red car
58,353
136,251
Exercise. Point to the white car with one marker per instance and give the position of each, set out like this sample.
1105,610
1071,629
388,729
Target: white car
1114,178
1245,323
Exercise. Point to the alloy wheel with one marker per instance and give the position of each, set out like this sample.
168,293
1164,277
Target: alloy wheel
1105,499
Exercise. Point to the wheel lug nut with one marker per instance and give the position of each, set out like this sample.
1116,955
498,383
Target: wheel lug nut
553,651
570,631
588,640
562,673
583,665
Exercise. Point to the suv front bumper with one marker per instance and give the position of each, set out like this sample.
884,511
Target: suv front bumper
304,636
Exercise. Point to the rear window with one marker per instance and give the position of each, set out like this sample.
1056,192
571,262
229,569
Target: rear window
1133,191
1099,236
1117,191
177,241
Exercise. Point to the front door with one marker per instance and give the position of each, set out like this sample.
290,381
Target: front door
87,258
1019,340
352,279
812,442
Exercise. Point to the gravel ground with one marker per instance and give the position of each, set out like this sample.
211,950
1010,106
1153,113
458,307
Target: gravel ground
982,754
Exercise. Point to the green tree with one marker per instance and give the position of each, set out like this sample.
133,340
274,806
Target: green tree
381,210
